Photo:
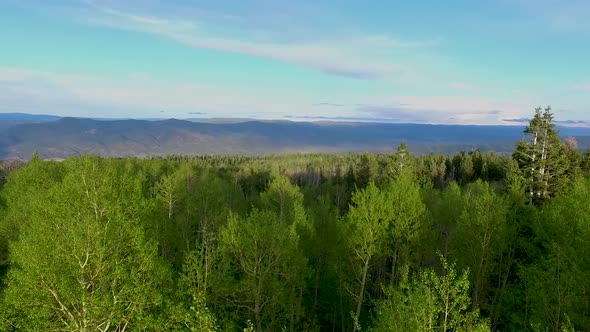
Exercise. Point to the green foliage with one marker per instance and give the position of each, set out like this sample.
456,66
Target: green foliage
366,170
326,263
542,159
411,306
192,312
82,261
286,200
300,242
24,187
366,232
369,217
585,164
264,269
429,302
401,160
481,234
407,213
444,209
557,283
408,208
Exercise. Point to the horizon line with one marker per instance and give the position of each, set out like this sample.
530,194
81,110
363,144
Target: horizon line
311,119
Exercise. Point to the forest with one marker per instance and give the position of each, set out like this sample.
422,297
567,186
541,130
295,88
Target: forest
311,242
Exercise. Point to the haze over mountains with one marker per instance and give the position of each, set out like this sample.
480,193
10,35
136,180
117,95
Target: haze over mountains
57,137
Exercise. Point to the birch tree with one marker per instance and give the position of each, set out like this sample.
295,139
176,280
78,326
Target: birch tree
429,302
368,220
406,219
82,262
263,267
480,239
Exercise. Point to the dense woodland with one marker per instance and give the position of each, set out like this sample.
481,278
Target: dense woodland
389,242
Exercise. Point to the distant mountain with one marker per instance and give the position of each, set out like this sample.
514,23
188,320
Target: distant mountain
61,137
8,120
26,117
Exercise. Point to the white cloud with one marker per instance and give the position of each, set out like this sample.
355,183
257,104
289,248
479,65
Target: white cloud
580,87
461,86
14,74
360,57
133,95
139,95
446,109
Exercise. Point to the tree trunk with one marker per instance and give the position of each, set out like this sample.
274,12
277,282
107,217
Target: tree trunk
258,321
394,263
533,159
477,286
360,298
170,204
543,166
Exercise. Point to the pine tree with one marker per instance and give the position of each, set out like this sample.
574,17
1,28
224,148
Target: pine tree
542,158
400,161
366,170
574,157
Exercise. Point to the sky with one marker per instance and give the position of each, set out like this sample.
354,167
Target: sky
455,62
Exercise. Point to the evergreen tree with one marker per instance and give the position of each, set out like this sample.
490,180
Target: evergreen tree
466,170
542,158
574,157
325,259
400,161
366,170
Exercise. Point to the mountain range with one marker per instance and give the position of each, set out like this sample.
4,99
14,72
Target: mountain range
59,137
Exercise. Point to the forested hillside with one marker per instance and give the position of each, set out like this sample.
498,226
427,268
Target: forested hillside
64,137
375,242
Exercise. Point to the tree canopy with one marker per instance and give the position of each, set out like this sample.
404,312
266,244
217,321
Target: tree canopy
377,242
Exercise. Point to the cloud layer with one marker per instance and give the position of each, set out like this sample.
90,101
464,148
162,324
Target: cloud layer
37,91
382,70
23,90
365,57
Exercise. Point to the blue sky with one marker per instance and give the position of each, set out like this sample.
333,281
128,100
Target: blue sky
467,62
